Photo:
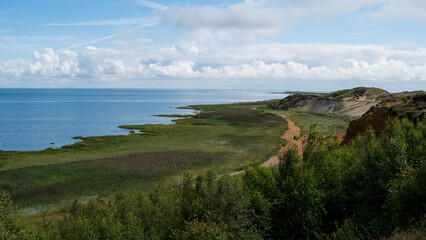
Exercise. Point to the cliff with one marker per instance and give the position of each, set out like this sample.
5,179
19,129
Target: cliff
351,102
370,107
411,105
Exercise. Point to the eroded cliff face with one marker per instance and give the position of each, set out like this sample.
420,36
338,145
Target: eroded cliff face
350,102
402,105
375,118
371,107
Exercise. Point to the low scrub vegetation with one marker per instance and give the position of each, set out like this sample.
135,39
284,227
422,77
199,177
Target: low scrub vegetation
373,187
217,139
51,183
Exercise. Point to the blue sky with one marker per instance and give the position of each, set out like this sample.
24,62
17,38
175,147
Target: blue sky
265,44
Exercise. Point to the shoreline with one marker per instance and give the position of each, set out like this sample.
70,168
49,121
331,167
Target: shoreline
173,118
223,138
51,118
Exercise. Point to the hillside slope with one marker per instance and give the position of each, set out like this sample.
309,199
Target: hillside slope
411,105
370,107
351,102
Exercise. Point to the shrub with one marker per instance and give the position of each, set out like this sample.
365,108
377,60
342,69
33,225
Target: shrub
367,189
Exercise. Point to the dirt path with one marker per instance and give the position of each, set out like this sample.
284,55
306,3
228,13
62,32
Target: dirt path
293,131
289,135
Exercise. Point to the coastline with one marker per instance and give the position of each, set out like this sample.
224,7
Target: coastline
50,118
223,137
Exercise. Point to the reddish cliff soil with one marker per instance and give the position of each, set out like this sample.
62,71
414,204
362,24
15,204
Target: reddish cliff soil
372,106
402,105
375,118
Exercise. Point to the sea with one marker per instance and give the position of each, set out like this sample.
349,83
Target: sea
36,119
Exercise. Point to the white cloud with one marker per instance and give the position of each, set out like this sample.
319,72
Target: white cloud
181,69
265,15
250,15
51,64
260,15
381,9
131,42
268,17
382,71
285,63
222,43
326,9
408,9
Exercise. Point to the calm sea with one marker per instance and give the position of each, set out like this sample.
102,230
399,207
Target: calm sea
36,119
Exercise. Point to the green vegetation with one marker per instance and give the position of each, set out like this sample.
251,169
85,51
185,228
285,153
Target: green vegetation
131,187
325,123
368,189
300,92
39,185
222,138
369,93
174,115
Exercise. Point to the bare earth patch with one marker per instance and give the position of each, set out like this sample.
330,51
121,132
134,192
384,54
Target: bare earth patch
289,135
293,131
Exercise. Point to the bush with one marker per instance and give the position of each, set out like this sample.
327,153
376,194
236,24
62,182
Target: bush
367,189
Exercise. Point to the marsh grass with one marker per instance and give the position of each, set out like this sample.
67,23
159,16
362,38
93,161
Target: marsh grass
221,138
50,183
246,117
174,115
325,124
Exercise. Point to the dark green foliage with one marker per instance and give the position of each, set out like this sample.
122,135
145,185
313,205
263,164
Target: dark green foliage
348,231
10,224
375,172
225,202
370,188
406,198
298,210
376,182
287,166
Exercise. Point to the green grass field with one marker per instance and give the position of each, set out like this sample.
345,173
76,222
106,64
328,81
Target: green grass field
325,124
221,138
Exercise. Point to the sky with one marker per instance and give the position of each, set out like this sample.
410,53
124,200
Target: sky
305,45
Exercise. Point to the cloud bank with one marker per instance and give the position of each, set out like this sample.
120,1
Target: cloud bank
222,45
279,62
274,15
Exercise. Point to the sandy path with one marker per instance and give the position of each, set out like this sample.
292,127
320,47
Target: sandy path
292,131
289,135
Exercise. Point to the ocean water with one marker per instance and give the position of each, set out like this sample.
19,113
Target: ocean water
36,119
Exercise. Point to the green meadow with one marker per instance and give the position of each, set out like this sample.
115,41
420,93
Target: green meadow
222,138
172,181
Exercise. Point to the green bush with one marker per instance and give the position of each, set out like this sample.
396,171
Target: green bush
369,188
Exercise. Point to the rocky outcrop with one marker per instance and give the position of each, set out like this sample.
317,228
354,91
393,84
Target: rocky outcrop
400,105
